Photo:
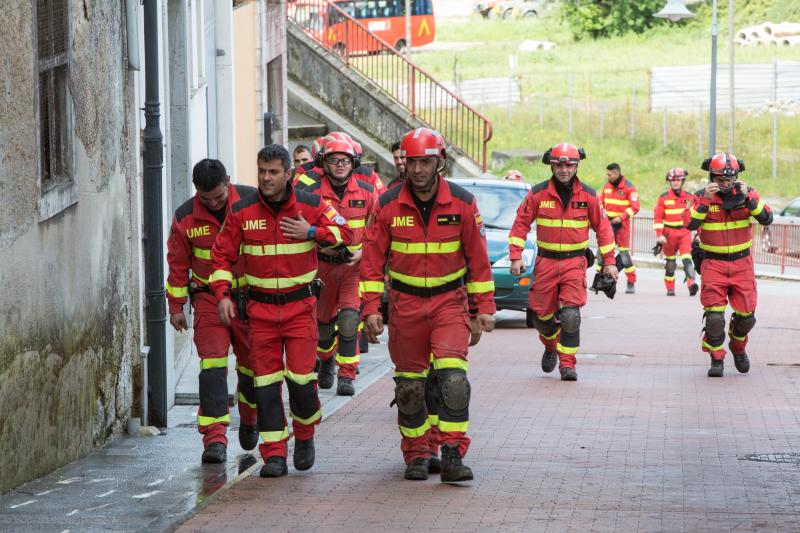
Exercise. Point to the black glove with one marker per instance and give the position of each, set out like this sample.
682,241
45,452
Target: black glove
657,248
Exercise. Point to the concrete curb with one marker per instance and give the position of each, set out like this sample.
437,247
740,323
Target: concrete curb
654,262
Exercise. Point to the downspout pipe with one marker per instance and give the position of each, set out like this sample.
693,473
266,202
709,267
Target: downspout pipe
153,227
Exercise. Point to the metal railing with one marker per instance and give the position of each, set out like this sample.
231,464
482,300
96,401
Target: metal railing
428,100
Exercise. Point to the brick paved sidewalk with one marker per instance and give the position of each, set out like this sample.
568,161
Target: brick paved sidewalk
642,443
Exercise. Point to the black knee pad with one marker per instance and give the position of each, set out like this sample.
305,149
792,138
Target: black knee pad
327,330
432,391
547,328
715,324
625,259
688,267
454,389
742,325
409,395
570,319
348,320
669,268
213,392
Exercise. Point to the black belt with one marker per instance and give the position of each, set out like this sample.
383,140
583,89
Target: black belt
427,292
335,259
280,298
195,287
561,255
726,257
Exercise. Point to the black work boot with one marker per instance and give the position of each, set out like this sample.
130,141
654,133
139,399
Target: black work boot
214,453
742,363
693,288
274,467
549,360
345,387
327,371
417,469
670,292
453,470
248,437
568,374
717,367
303,454
434,465
631,288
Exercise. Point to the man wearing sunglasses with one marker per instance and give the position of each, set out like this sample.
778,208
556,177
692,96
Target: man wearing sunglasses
722,214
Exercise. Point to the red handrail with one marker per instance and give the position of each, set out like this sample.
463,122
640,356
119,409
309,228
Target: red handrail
409,85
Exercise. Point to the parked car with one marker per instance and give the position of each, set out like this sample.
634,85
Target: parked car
510,9
772,236
498,201
486,8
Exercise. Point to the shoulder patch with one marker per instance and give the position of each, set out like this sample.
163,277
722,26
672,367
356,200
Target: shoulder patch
246,200
389,196
540,186
244,190
663,194
305,197
366,186
185,209
461,193
628,183
308,165
588,190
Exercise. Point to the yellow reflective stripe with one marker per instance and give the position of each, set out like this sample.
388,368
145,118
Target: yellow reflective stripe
320,349
460,427
622,249
732,336
718,308
759,207
214,362
697,214
669,278
553,336
337,234
669,257
426,247
658,226
686,256
244,370
732,224
278,249
354,247
305,180
427,282
306,421
411,375
562,247
274,436
357,223
244,401
607,248
177,292
221,275
347,360
516,241
741,313
630,269
300,379
726,249
673,211
433,420
555,223
629,211
474,287
268,379
613,214
545,318
450,362
415,432
371,286
208,420
674,224
240,282
706,345
614,201
281,283
202,253
569,350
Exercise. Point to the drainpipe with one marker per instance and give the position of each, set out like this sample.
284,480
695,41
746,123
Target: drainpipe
153,227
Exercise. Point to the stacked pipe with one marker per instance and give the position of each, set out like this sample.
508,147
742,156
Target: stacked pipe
769,34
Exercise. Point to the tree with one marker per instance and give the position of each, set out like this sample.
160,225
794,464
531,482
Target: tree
602,18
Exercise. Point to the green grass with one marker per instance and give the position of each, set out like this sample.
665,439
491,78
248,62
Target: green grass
606,72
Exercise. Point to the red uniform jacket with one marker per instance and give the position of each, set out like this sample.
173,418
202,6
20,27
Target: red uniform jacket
193,232
561,228
726,231
357,205
621,200
273,263
450,247
308,173
669,210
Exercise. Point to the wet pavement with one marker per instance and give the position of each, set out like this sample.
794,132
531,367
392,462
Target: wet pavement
148,483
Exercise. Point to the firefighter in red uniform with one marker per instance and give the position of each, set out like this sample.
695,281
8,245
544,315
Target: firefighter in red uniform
620,201
310,172
563,209
674,238
430,235
722,214
194,227
339,302
276,230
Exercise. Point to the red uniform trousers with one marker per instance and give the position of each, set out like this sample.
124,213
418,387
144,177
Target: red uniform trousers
340,291
622,239
558,283
429,333
679,243
290,327
723,282
213,340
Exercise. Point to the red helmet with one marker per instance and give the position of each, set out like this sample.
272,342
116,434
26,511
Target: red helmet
563,153
318,145
340,136
514,175
677,174
422,142
341,147
724,164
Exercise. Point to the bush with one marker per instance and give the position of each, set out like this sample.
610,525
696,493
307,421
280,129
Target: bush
603,18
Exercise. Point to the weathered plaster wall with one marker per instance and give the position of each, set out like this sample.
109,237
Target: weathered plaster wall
69,285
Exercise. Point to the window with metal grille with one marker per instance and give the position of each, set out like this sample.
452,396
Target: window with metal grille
52,43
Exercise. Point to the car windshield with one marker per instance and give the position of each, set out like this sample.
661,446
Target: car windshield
792,210
498,205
